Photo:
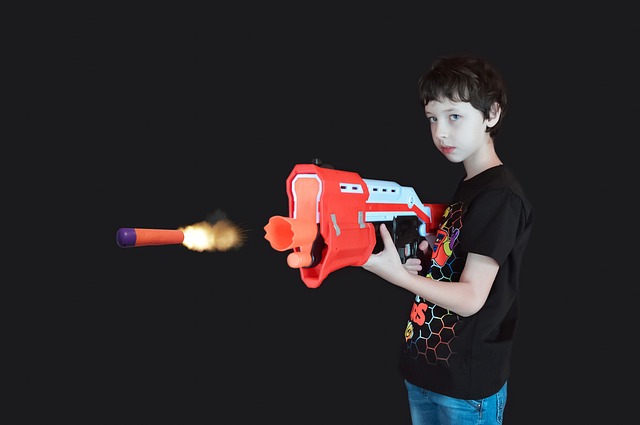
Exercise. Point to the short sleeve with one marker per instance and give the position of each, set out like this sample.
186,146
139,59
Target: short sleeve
491,224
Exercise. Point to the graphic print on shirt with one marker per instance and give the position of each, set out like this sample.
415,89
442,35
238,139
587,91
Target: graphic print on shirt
431,329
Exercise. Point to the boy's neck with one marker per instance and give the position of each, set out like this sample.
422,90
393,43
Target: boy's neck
477,167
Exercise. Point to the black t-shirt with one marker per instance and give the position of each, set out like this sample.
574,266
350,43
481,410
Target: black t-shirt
469,357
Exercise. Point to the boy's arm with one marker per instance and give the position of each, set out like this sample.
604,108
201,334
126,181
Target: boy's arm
465,297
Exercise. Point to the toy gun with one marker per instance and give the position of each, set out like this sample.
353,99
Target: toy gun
335,216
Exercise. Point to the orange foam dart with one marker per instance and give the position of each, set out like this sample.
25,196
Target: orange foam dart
297,233
134,237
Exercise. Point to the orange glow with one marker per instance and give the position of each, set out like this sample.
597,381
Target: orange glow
222,235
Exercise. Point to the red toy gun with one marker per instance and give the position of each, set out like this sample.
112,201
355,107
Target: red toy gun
334,220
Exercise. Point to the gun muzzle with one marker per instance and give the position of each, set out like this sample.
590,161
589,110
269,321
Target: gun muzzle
285,233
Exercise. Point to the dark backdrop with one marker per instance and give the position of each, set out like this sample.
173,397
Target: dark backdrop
179,113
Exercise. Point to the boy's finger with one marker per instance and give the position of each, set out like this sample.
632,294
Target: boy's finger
386,237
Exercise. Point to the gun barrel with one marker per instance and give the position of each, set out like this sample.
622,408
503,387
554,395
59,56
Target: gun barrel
133,237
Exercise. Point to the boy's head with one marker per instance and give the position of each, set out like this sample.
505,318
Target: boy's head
465,79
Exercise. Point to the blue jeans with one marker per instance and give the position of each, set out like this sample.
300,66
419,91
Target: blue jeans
429,408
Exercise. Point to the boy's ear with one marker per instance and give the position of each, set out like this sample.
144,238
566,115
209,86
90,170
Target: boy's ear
494,115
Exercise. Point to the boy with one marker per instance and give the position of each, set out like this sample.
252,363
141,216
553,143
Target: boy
455,358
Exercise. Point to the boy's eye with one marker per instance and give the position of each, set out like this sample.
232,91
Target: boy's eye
455,117
432,119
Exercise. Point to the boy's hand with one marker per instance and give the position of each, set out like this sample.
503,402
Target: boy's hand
413,265
387,263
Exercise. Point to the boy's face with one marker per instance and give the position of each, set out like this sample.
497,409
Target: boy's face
457,128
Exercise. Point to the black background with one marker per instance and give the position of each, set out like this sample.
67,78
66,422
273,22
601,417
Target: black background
157,118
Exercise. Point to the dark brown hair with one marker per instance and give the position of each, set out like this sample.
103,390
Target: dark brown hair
465,79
